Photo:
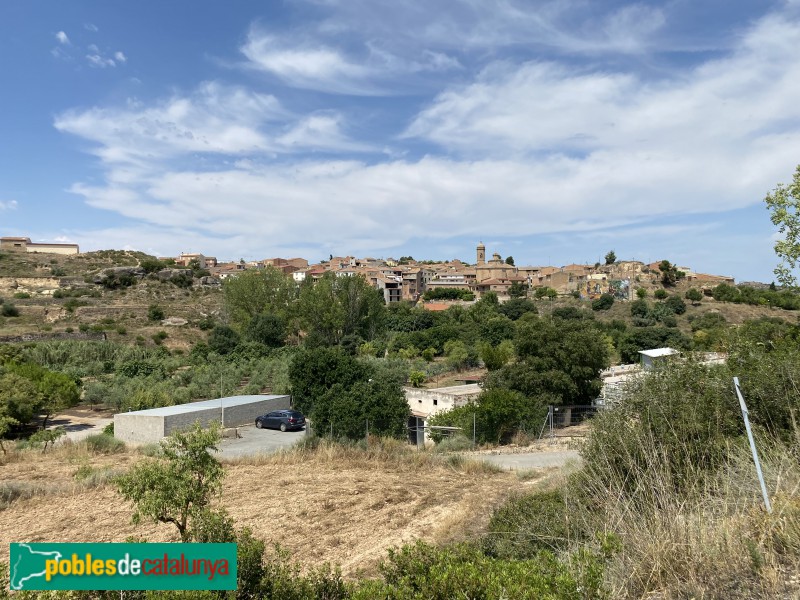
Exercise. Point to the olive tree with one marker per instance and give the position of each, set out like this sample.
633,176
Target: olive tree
784,205
177,486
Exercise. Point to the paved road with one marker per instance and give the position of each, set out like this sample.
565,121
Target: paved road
258,441
530,460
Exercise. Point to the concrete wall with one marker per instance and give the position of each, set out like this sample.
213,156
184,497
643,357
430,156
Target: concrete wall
53,248
149,427
245,414
433,401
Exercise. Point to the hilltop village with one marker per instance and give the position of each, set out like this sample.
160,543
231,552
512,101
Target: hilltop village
406,279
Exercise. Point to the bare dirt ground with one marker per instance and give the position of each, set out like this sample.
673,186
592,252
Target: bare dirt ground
323,506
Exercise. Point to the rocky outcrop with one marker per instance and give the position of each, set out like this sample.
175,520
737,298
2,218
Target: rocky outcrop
209,281
118,273
29,284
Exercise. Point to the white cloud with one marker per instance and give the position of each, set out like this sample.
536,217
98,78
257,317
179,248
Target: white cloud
308,63
568,26
527,148
214,119
91,27
742,110
62,38
310,67
120,57
101,62
8,205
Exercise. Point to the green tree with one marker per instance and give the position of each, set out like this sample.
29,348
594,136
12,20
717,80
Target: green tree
7,423
517,289
559,361
675,304
660,294
496,357
267,329
516,307
669,273
223,339
784,206
694,296
257,291
611,257
19,397
510,260
334,307
641,293
178,486
546,292
378,405
316,370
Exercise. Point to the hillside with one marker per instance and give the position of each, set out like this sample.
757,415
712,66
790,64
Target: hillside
31,280
335,505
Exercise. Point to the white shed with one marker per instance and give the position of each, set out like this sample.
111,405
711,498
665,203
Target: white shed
651,358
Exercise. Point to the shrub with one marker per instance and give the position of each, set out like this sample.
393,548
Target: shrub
206,323
416,378
660,294
71,304
9,310
527,524
159,337
102,443
604,302
676,305
155,313
22,295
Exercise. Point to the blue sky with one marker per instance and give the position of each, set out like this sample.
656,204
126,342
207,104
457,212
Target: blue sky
552,131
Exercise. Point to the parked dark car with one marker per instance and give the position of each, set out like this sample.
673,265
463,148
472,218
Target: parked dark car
281,419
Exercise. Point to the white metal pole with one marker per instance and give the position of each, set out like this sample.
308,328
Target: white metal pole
752,444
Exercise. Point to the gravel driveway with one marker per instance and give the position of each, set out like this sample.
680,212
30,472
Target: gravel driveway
258,441
530,460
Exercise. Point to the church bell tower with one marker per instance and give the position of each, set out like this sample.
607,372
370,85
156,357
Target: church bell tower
481,252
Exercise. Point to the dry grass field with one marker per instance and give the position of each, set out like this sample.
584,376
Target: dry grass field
339,505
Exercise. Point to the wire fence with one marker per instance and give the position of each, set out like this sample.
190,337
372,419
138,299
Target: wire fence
567,421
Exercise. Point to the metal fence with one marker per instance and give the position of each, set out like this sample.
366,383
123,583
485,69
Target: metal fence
568,421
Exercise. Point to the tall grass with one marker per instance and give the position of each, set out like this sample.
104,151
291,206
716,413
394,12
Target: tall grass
377,454
670,472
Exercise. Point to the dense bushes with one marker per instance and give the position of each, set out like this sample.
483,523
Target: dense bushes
785,299
449,294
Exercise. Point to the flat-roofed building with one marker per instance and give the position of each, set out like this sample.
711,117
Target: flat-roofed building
151,425
24,244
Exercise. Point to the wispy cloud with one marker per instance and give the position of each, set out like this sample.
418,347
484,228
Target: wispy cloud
8,205
312,64
521,147
120,57
62,38
91,27
213,120
101,62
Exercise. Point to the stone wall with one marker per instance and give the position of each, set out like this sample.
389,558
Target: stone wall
61,335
